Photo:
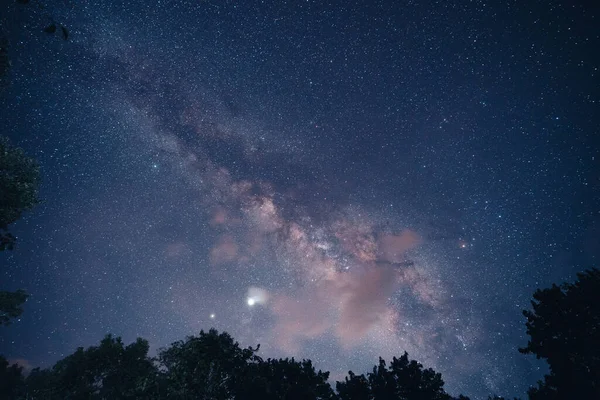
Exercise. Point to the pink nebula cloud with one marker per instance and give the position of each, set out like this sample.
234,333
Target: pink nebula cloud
226,250
364,302
393,247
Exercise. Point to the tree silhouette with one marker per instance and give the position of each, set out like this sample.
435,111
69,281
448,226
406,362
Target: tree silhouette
404,379
41,384
108,371
564,329
19,178
11,305
354,387
208,366
286,379
11,380
4,59
493,398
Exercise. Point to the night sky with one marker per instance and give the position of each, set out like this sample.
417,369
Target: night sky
333,180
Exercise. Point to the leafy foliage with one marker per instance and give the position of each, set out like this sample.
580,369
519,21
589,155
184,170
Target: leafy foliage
108,371
11,380
404,379
564,327
286,379
354,387
19,178
4,59
495,398
209,365
10,305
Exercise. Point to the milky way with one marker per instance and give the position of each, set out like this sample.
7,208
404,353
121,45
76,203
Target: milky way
333,182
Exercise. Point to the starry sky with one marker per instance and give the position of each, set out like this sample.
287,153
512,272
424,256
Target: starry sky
333,180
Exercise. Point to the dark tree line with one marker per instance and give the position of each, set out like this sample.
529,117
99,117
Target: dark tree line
563,325
209,366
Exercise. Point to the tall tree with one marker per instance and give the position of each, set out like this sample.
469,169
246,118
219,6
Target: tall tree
209,366
564,329
11,380
284,379
11,305
404,379
354,387
108,371
19,178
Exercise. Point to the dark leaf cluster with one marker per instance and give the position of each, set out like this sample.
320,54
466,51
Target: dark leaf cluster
11,305
564,329
403,379
19,178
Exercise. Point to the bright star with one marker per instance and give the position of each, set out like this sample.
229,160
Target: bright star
256,296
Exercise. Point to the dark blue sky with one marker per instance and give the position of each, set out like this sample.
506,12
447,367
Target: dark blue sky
375,177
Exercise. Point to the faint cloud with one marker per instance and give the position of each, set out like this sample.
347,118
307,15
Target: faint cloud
176,249
363,302
392,247
226,250
300,317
